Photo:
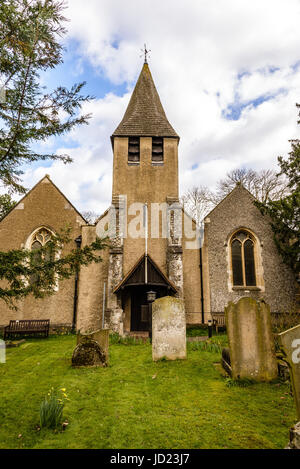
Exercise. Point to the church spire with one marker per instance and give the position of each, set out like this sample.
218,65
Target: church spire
145,116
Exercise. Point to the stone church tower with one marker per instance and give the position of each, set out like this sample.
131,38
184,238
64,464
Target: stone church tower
144,195
145,171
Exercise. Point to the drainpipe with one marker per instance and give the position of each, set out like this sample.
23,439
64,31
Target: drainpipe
201,283
78,246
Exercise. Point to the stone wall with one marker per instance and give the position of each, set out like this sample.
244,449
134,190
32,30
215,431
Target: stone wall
157,184
276,281
145,183
45,206
91,287
191,282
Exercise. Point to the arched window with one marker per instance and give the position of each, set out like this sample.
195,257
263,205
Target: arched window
242,259
38,240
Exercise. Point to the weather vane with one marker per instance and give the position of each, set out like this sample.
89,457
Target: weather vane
145,53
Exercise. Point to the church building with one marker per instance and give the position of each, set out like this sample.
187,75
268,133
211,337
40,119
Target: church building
155,248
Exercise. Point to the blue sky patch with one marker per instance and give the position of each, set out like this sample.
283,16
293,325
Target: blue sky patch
234,110
76,69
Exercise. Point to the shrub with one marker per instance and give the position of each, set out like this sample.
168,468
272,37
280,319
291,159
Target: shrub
286,320
117,339
51,409
196,331
207,346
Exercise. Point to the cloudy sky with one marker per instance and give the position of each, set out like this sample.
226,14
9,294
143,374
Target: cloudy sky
227,71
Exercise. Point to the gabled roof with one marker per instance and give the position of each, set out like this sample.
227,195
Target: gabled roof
32,189
238,187
145,115
136,275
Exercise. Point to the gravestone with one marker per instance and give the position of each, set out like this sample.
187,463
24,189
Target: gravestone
2,351
251,342
289,342
101,337
91,349
294,437
168,329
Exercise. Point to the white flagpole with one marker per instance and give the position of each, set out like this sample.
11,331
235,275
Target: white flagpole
146,242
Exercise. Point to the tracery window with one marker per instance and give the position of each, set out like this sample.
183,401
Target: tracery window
39,240
243,259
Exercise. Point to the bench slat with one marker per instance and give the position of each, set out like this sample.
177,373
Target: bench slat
27,326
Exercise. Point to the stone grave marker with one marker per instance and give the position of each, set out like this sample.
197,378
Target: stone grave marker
289,342
168,329
91,349
251,342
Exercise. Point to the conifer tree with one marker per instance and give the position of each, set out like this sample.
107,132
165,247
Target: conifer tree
30,44
285,212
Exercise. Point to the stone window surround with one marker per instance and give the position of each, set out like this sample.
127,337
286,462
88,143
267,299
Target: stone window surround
260,284
30,240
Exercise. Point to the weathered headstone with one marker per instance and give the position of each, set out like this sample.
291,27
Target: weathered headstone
251,342
168,329
2,351
101,337
294,437
290,345
91,349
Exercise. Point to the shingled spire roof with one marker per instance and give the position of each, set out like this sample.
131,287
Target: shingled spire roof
145,115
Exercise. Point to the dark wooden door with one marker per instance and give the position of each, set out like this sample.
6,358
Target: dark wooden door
139,310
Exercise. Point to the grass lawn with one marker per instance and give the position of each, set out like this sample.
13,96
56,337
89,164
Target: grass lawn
135,403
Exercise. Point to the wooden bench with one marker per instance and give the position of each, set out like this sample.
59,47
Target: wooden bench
33,327
219,321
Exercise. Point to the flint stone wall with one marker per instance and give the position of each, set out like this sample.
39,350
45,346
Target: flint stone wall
237,211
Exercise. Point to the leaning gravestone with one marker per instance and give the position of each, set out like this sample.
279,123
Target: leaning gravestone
101,337
251,342
290,345
168,329
294,437
91,349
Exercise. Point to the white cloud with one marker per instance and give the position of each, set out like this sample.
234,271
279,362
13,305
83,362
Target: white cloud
199,49
87,181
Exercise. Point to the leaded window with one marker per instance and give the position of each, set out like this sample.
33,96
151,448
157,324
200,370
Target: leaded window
242,258
39,241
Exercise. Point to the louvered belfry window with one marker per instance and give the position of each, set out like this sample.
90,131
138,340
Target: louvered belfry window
157,150
133,150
